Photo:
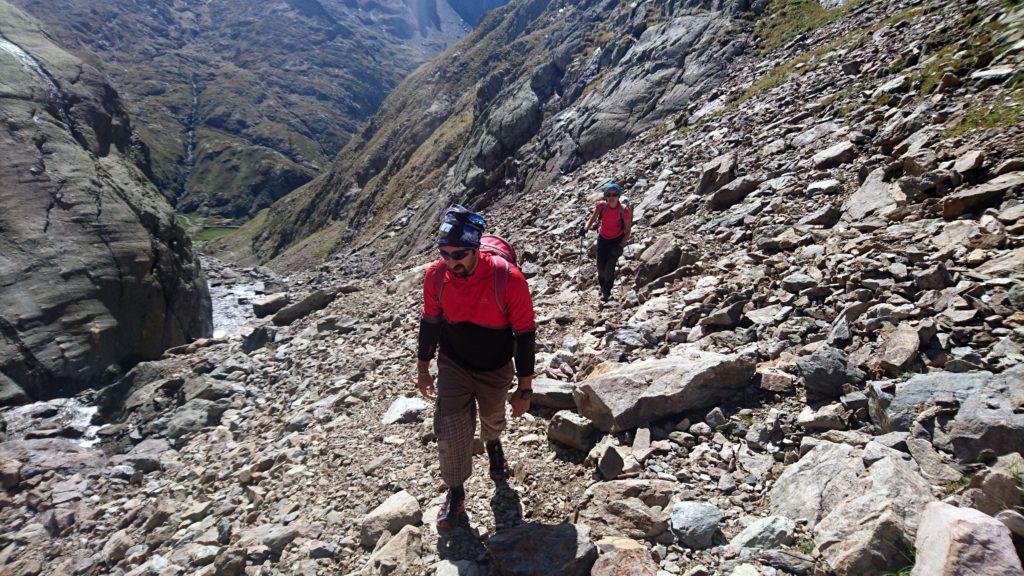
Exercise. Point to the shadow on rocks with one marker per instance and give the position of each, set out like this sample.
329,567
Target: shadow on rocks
463,542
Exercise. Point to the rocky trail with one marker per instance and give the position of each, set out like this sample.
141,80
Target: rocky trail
812,364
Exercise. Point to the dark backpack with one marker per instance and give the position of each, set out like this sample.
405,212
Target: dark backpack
501,250
622,210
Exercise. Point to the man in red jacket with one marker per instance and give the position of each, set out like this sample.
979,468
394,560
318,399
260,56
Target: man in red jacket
477,307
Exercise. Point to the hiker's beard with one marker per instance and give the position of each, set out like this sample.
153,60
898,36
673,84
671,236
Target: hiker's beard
460,271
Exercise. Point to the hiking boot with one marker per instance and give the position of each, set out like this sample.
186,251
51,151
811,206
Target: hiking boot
499,466
453,510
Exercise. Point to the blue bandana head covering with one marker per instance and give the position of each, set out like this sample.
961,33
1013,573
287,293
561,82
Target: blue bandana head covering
461,228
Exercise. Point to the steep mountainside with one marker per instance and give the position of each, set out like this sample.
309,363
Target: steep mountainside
241,101
536,90
95,272
812,363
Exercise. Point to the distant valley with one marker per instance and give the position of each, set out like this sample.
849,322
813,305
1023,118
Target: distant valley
241,102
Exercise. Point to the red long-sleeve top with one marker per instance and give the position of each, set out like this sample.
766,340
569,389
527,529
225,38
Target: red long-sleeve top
482,320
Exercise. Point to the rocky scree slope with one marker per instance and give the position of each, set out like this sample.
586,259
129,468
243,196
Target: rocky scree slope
813,364
241,102
539,88
96,272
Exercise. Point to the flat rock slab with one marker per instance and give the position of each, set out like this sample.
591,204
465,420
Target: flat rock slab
632,395
311,303
553,394
45,454
981,196
535,549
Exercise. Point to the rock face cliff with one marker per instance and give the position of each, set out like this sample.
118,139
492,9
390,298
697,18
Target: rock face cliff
95,272
539,88
242,101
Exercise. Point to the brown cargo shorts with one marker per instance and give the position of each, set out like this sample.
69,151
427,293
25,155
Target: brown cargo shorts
460,392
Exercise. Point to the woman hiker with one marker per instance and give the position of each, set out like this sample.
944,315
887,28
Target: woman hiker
616,221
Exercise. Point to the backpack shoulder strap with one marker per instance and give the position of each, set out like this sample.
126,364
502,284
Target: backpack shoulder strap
439,281
502,271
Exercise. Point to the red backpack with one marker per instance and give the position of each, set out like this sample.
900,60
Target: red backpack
502,251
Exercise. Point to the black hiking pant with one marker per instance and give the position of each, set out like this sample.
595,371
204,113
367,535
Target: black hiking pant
608,252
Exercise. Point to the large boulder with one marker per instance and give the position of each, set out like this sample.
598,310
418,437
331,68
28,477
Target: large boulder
808,489
632,395
963,542
991,420
534,549
896,412
872,530
660,258
97,272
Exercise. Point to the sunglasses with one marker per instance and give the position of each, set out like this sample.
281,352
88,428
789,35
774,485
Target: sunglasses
456,255
611,194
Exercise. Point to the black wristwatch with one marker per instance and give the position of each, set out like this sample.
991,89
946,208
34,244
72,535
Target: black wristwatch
524,394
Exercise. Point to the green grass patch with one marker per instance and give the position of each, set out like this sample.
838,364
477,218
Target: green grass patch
209,234
788,19
1002,114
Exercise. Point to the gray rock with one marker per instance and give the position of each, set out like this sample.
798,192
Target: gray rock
553,394
734,192
632,508
269,304
10,393
991,419
632,395
981,196
400,509
716,173
569,428
399,555
104,274
695,524
535,549
146,456
404,410
873,528
611,463
874,195
962,541
660,258
797,281
820,480
897,350
997,488
116,547
311,303
921,392
932,466
770,532
825,372
834,156
275,537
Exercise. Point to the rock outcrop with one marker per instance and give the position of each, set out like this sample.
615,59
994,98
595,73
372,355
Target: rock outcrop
96,272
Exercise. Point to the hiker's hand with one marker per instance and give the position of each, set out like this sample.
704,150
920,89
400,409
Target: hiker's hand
425,384
519,404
